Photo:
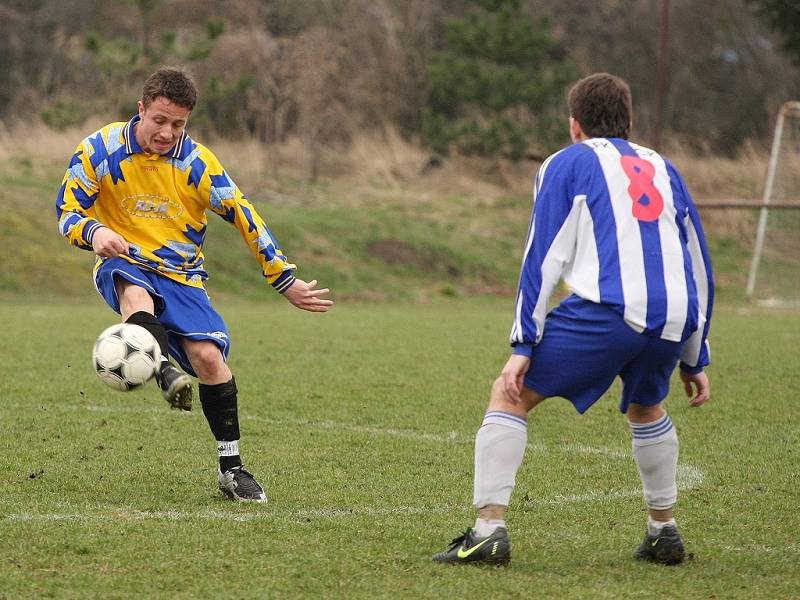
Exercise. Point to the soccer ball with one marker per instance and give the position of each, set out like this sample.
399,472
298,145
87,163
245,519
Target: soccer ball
125,356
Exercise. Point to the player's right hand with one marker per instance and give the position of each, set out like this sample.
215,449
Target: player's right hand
513,375
108,243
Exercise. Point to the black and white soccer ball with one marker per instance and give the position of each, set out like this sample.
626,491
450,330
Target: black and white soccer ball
126,356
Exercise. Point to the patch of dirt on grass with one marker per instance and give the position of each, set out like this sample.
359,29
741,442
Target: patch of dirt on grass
400,253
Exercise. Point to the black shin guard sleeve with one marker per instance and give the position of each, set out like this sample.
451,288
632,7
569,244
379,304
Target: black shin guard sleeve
221,411
154,326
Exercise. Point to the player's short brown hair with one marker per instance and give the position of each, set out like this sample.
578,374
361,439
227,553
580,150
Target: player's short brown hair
173,84
602,104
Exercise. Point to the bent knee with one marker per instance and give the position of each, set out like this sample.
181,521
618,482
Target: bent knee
638,413
499,400
205,356
132,297
497,387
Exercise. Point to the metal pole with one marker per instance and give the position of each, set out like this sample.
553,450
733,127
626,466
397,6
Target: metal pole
661,75
762,218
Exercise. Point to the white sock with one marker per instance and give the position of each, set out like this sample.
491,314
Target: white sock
654,527
499,448
485,527
655,450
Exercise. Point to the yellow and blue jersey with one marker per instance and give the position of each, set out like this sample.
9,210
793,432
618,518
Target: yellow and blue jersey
158,203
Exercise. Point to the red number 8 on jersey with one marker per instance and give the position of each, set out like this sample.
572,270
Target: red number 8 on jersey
647,201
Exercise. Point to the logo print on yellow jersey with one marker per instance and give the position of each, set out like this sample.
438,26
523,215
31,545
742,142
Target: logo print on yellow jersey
152,206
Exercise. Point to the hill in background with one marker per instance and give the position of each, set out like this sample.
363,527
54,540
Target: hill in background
382,222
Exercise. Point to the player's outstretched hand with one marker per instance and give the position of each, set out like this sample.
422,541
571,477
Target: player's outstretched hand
303,295
701,385
513,374
108,243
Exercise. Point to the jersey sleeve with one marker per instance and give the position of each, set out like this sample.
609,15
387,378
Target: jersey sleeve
226,200
696,352
549,246
75,200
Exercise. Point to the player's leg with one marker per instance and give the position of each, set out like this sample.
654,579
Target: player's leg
137,306
655,448
575,359
198,340
572,361
499,449
219,399
135,294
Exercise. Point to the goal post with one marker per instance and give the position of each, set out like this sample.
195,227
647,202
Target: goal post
782,185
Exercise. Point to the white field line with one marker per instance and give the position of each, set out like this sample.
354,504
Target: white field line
689,477
449,437
126,514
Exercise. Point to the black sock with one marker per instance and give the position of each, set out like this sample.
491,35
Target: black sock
154,326
221,411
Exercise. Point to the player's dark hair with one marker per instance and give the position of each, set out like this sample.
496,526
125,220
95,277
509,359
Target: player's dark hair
601,103
173,84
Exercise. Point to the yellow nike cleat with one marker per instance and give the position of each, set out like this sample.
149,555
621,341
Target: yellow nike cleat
469,549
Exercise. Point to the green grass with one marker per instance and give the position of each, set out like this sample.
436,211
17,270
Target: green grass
360,422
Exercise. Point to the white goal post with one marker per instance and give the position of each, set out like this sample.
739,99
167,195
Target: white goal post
787,109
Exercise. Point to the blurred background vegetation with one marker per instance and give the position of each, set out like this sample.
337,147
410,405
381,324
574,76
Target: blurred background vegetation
485,75
389,140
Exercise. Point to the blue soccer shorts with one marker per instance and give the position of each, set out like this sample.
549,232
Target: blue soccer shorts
586,345
184,311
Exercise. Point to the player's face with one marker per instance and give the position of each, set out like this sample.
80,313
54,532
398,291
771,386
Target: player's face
161,126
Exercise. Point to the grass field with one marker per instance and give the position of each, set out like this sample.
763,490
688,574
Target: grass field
360,422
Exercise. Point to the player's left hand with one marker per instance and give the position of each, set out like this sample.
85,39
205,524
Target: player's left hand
304,295
701,383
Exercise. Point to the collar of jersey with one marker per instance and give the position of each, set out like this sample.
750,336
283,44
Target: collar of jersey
132,146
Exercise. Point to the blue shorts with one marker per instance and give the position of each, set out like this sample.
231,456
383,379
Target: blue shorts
586,345
184,311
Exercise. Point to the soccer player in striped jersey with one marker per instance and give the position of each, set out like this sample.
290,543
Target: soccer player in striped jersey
136,193
615,222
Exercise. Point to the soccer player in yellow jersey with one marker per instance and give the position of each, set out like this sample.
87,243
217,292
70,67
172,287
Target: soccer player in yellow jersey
136,193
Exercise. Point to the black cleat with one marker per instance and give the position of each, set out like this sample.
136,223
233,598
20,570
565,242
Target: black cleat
666,548
469,549
176,386
239,484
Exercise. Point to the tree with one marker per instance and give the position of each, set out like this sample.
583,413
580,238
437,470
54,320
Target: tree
496,83
783,17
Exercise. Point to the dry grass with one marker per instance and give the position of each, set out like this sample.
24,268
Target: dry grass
389,161
46,145
720,178
386,164
372,166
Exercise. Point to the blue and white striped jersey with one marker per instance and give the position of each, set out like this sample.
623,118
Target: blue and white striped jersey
615,221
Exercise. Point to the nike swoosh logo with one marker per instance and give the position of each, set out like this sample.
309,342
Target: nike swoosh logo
465,553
